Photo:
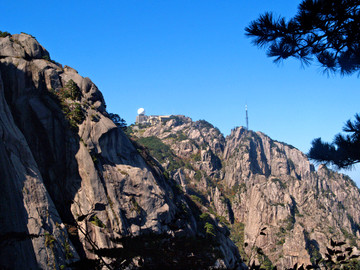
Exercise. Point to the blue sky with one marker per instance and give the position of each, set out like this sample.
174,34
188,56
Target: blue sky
192,58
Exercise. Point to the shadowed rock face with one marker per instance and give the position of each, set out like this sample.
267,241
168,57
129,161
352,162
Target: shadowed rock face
72,181
254,182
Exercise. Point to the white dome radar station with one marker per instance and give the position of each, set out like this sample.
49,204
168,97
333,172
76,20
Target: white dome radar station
141,111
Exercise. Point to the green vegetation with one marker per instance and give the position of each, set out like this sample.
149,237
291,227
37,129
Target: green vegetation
231,192
28,34
49,240
178,120
135,206
68,253
97,222
350,182
280,242
264,261
349,236
94,158
74,113
180,136
166,175
255,253
281,234
289,222
67,99
286,144
4,34
196,199
312,248
313,33
171,136
234,190
129,130
277,204
112,209
344,151
161,152
71,90
219,218
46,57
198,176
157,148
237,235
203,124
188,166
196,156
204,217
82,141
355,227
49,243
331,230
328,193
95,117
281,184
223,220
175,163
123,172
178,189
209,228
142,126
118,121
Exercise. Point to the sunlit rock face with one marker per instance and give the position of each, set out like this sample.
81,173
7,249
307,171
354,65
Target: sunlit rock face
73,184
250,182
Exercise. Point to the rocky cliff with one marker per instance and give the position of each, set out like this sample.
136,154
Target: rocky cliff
76,192
279,209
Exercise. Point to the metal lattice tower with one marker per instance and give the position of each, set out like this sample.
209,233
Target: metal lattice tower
247,118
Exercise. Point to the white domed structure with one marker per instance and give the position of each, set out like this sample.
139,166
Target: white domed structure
141,117
141,111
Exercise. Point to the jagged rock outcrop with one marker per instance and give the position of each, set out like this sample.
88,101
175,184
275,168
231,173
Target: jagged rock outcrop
249,181
284,192
75,187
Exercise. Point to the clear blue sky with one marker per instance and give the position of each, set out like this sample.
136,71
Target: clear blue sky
189,57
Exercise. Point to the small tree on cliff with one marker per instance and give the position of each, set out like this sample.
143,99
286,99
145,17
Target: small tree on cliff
118,121
327,30
71,90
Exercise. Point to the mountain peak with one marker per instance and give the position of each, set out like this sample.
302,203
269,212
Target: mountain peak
22,46
76,190
250,181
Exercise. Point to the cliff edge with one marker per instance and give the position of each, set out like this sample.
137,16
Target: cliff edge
75,191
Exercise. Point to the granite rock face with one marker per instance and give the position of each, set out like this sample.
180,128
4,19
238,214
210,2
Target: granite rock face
73,183
250,182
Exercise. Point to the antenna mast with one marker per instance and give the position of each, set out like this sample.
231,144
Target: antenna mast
247,118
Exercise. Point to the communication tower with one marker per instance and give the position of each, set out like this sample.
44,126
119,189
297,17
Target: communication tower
247,118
